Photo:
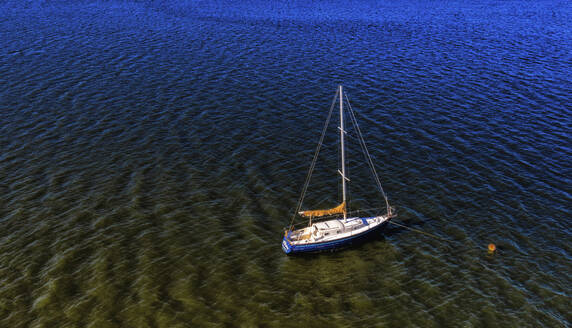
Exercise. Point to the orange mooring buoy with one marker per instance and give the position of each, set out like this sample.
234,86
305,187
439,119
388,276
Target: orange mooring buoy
492,248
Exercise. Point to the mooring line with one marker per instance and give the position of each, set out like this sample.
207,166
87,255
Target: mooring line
491,248
417,230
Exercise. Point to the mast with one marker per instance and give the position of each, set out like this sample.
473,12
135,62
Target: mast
343,152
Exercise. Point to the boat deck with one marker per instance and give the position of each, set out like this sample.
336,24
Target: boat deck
334,229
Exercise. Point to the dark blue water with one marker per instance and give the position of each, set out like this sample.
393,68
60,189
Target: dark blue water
152,152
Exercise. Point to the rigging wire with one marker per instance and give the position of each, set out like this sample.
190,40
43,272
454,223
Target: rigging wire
366,153
491,247
309,175
374,172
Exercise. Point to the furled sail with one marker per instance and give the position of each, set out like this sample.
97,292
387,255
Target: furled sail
316,213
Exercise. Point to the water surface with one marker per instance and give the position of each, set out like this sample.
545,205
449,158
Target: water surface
153,152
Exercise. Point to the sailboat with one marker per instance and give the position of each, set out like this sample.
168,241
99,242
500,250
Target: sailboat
335,227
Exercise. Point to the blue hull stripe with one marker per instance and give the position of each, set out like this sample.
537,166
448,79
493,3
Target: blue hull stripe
289,248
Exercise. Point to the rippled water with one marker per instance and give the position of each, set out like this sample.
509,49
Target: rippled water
153,152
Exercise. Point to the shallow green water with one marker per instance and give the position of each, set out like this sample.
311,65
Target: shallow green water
153,153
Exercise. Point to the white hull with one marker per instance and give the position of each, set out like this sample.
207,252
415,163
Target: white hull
335,229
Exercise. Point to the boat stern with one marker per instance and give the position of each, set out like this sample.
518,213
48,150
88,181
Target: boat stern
286,246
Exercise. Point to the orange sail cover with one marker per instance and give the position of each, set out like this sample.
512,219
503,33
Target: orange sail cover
313,213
